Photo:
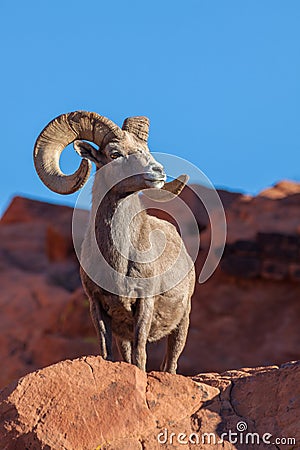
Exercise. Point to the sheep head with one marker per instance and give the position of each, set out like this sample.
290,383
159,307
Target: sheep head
125,148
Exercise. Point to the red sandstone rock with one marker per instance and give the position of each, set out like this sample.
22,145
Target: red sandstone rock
25,210
36,324
53,220
40,291
89,404
282,189
59,245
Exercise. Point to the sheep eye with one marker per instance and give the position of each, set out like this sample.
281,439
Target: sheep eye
115,155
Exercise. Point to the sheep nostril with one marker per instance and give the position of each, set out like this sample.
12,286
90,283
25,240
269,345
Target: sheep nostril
158,169
156,172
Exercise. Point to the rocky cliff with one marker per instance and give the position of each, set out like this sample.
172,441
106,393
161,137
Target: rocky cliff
91,404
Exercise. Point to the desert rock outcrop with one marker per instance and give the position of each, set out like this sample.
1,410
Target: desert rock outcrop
89,404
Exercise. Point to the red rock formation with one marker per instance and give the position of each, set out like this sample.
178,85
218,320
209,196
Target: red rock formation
89,403
282,189
246,314
41,298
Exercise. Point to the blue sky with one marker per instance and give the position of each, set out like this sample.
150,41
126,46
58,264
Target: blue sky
219,80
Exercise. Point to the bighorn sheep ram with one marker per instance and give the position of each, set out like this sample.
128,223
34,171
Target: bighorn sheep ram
135,313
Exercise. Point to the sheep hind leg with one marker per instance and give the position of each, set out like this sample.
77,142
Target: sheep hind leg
102,324
125,350
175,345
143,318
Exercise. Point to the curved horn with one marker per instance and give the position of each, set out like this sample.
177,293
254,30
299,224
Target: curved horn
60,132
137,125
176,186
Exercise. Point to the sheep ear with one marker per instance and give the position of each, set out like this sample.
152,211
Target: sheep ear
85,150
176,185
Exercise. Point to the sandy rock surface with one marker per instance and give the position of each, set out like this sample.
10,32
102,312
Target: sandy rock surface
89,404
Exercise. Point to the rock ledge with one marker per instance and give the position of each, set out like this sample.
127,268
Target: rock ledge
89,404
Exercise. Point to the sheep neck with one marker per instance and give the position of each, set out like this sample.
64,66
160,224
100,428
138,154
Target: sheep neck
115,219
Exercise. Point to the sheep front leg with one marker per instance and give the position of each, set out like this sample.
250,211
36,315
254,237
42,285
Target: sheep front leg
102,323
124,347
143,319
